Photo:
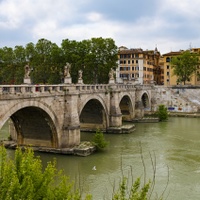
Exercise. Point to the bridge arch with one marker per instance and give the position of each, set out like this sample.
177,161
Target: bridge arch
93,114
35,123
146,100
127,108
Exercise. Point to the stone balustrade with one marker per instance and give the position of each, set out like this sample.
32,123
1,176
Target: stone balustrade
27,89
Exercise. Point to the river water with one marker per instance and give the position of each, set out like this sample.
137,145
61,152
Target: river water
173,147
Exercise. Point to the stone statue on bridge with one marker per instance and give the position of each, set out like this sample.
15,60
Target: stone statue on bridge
27,79
67,76
27,71
67,70
80,74
111,76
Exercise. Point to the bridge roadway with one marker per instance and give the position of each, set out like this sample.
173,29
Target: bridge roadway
53,115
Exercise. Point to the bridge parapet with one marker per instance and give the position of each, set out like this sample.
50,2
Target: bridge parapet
44,89
35,90
13,89
97,87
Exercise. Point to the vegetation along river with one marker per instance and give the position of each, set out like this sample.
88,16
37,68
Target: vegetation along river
173,146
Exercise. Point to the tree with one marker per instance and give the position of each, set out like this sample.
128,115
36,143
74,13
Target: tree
8,65
100,59
24,178
94,57
20,62
184,66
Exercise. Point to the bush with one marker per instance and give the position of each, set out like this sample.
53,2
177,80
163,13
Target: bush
162,113
99,140
136,192
24,178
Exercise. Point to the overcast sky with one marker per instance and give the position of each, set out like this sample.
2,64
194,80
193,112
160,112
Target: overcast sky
170,25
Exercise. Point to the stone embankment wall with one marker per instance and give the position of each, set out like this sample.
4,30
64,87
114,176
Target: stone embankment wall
183,99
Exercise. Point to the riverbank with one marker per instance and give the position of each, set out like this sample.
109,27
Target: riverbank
176,114
184,114
85,148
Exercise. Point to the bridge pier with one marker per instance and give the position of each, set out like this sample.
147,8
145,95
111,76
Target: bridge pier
70,135
139,110
115,112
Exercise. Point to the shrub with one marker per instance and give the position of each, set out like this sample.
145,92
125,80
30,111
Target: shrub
24,178
136,192
99,140
162,113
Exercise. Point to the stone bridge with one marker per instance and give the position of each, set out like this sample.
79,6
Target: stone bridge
53,115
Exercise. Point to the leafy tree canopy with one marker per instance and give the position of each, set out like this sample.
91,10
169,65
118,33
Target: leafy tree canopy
95,57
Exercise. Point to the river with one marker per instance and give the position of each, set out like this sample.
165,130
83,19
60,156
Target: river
172,146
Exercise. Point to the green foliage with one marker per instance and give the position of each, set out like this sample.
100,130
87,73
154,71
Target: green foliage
184,66
23,178
162,113
135,192
99,140
95,57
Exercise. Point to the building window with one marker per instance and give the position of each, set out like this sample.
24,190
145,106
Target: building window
136,61
129,62
124,61
132,68
167,73
167,66
167,59
167,80
132,61
124,75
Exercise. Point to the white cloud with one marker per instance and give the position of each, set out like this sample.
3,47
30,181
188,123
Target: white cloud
172,25
94,16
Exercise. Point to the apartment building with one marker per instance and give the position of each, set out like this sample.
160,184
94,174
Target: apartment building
138,65
169,78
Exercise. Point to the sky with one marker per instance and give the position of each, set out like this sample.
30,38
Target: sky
169,25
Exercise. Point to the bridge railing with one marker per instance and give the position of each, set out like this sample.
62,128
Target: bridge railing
92,87
104,87
13,89
39,89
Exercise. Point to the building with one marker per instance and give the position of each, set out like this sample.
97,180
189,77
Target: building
138,65
169,78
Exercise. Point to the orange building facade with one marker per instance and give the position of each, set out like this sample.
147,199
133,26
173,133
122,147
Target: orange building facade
138,65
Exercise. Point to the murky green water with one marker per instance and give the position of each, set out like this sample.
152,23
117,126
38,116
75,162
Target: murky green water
174,147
